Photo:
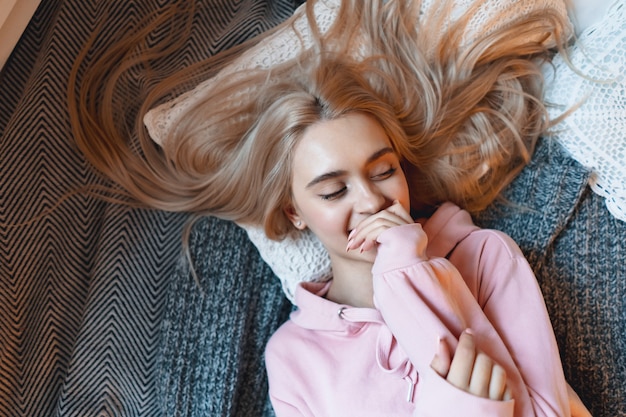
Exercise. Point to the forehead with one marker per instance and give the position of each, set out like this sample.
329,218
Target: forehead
331,144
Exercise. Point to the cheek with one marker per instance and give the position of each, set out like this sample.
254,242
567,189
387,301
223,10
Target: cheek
401,192
326,220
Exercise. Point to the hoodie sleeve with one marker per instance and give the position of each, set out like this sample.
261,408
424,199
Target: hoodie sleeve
425,301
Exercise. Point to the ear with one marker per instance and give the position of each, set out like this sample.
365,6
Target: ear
292,214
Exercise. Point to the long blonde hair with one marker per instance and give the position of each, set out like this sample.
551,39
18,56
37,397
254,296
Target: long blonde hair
464,120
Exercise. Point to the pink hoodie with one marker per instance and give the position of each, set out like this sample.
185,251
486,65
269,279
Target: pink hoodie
337,360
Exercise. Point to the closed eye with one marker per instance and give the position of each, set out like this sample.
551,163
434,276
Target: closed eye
377,177
385,175
334,195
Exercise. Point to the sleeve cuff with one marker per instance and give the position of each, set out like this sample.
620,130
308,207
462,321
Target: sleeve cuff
437,397
400,247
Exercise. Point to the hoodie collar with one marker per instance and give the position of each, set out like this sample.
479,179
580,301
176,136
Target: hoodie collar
317,313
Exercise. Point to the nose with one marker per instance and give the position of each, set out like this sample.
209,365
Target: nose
370,199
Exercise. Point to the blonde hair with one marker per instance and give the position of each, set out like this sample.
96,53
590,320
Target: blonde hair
464,120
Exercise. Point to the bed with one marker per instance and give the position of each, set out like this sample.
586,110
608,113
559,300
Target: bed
100,315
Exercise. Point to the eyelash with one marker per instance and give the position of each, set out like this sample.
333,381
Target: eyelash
386,174
379,177
334,195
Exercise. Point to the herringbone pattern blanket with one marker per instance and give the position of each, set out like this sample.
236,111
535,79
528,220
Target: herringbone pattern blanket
83,286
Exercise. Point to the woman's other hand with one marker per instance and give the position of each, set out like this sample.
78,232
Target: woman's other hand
472,370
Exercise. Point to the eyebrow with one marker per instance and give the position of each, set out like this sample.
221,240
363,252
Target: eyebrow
334,174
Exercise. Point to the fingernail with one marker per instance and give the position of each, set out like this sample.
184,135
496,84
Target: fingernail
351,235
349,245
442,350
469,331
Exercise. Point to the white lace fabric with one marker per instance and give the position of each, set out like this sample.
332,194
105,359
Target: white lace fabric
595,132
302,257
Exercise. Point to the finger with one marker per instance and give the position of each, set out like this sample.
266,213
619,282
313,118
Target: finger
441,361
398,209
384,215
507,394
395,213
365,235
439,366
370,230
370,240
360,237
497,385
481,375
463,362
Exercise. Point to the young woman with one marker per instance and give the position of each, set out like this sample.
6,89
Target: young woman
324,143
377,339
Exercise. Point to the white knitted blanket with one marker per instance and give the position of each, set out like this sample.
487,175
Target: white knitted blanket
595,133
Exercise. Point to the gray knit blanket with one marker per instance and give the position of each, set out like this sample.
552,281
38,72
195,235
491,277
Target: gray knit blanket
100,316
